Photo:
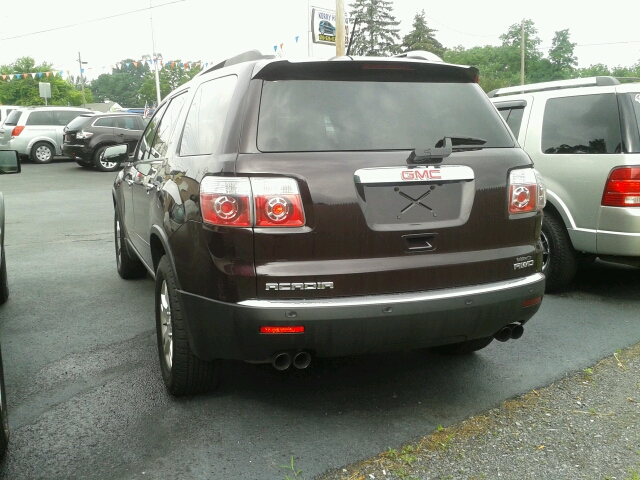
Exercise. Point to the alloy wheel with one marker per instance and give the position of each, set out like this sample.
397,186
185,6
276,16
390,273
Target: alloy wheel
43,153
546,251
166,330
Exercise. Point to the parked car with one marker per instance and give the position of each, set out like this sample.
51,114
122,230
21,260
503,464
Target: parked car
326,28
87,136
583,137
9,163
36,132
291,210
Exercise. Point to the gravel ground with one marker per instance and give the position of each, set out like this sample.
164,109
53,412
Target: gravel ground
585,426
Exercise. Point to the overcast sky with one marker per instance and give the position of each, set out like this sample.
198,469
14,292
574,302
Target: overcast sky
212,30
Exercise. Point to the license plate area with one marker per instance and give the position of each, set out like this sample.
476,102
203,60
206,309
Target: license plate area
401,198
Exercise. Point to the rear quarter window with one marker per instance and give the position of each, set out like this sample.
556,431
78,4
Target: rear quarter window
105,122
635,101
207,116
320,115
586,124
13,118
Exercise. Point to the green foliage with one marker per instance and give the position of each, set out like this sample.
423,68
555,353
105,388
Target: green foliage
561,55
123,84
422,37
25,91
377,29
170,77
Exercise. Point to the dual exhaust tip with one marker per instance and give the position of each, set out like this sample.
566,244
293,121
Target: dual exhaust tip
512,331
284,360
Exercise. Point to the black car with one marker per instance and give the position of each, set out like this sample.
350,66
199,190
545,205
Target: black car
291,210
87,136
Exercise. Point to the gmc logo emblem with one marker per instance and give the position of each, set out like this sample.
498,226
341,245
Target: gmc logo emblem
424,174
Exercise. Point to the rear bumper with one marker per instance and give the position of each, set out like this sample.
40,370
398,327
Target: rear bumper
355,325
77,152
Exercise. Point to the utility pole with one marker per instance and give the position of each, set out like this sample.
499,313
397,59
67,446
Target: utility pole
340,31
522,50
156,56
80,63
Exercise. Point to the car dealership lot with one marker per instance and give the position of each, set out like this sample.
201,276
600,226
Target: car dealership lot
86,399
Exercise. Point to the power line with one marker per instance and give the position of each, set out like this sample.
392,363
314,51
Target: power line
458,31
593,44
91,21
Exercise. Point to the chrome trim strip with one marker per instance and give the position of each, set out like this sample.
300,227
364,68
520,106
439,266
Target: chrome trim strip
626,234
397,297
419,173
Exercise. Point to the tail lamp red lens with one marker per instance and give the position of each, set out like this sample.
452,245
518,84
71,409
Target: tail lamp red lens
527,192
282,329
16,131
245,202
622,188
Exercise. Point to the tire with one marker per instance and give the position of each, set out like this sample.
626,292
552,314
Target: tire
4,418
42,152
462,348
85,164
128,267
182,372
4,282
560,260
101,164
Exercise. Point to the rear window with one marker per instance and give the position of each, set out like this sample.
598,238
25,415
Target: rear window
78,122
314,115
12,118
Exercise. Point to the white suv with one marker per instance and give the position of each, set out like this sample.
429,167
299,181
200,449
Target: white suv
583,137
37,132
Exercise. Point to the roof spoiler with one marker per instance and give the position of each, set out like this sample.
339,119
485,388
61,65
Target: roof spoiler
247,56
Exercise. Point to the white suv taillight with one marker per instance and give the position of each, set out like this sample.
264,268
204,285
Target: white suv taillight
622,188
245,202
527,192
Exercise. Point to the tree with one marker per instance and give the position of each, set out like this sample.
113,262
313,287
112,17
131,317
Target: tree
561,55
171,76
25,90
422,37
377,32
123,84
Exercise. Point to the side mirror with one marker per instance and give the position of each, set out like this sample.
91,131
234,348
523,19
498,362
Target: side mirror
9,161
116,153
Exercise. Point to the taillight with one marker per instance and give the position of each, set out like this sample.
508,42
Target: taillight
16,131
527,192
245,202
277,202
622,188
226,201
280,330
82,135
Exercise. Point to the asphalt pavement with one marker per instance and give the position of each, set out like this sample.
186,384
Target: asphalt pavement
86,400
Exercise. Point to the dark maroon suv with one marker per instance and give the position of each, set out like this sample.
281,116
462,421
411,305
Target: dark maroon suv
291,210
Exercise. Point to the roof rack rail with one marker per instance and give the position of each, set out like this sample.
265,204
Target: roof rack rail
247,56
556,85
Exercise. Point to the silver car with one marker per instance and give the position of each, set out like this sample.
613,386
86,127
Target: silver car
37,132
583,136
